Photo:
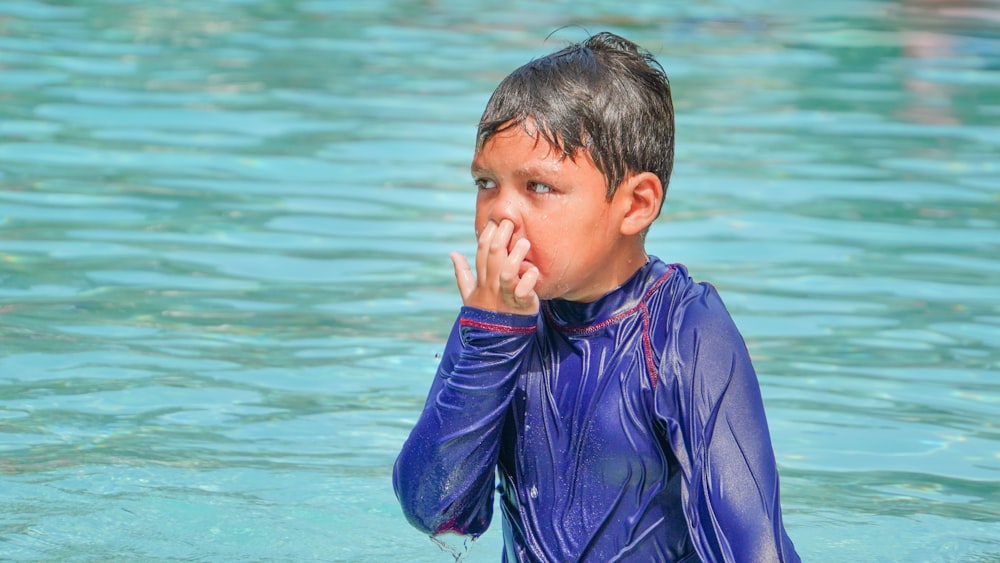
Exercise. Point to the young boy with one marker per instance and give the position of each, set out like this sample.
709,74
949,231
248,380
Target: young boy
612,395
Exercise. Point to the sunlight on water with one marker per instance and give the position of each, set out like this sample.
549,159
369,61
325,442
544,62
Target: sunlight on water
224,280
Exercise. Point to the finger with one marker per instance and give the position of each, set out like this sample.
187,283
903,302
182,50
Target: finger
510,272
483,249
464,278
498,249
524,293
505,229
511,266
519,251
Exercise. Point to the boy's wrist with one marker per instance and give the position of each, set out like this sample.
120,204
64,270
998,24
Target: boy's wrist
497,321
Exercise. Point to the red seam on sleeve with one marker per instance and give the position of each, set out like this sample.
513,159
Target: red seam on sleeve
647,344
498,327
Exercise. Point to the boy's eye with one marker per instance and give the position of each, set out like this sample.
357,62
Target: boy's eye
484,184
539,188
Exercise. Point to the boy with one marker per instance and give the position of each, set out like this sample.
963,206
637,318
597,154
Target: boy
612,395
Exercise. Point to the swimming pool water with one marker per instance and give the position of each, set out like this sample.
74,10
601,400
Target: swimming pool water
224,230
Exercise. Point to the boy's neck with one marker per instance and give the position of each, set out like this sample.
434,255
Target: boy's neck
621,268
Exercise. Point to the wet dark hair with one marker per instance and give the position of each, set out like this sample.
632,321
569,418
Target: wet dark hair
605,95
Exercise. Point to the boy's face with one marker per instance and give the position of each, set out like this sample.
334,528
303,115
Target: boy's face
560,205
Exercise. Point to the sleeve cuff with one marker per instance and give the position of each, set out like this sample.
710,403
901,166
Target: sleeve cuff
492,321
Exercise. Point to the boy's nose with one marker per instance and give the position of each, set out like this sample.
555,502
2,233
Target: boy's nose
504,207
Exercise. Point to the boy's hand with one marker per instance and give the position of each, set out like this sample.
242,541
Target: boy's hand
496,285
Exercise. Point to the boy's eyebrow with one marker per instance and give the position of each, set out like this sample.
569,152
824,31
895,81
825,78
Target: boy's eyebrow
522,172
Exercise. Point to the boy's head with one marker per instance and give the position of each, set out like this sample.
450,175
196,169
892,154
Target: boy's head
605,96
573,156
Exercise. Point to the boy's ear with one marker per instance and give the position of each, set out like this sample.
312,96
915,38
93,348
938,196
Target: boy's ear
641,196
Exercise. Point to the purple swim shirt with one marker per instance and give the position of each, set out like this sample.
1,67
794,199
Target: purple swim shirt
630,428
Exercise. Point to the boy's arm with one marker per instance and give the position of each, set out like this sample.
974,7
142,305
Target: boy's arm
717,429
444,475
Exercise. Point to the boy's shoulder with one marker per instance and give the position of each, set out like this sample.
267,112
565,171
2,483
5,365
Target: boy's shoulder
686,306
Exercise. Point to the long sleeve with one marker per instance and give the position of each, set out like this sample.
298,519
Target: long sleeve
445,474
715,425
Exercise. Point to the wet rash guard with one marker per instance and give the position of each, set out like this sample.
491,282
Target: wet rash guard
630,428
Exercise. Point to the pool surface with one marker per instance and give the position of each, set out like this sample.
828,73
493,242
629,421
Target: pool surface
224,280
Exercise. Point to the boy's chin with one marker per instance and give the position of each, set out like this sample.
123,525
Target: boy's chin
545,292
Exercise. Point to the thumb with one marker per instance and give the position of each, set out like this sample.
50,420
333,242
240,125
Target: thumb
464,277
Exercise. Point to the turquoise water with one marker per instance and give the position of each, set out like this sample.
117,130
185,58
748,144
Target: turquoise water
224,230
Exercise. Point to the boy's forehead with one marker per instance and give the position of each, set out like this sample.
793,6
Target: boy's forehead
523,141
